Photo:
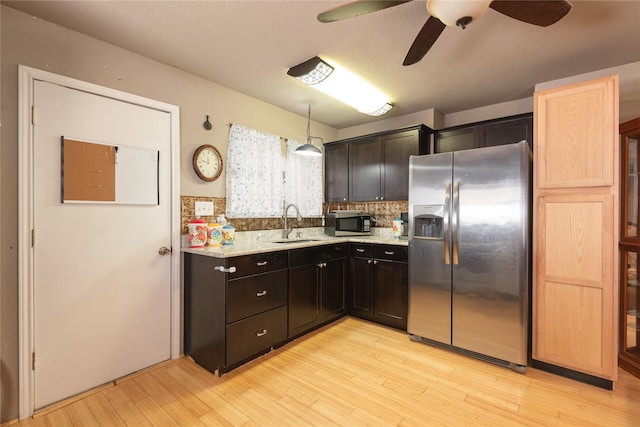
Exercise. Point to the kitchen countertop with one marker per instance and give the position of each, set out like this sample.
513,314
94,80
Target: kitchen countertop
255,242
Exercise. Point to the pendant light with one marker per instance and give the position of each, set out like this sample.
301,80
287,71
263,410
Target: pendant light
308,149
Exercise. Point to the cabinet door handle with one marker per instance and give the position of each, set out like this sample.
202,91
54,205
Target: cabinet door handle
369,261
261,333
225,270
261,293
375,261
388,252
322,264
359,250
261,263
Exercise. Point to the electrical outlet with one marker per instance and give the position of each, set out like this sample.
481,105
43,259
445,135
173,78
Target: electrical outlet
204,209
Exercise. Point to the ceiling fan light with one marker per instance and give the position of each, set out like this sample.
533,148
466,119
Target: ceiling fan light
344,86
450,11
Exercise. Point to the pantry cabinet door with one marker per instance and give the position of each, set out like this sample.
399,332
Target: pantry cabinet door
576,232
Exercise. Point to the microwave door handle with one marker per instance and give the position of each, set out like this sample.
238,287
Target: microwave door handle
445,218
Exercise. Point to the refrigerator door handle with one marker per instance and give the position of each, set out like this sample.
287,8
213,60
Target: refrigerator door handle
455,221
447,202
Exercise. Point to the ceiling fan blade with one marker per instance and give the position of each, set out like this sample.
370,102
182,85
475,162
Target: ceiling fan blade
356,8
536,12
424,40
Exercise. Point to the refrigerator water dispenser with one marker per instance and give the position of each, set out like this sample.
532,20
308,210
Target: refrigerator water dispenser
428,221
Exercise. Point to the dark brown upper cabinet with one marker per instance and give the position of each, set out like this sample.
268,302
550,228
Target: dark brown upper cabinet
502,131
373,167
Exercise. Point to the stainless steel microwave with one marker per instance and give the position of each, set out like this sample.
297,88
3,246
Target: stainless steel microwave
347,223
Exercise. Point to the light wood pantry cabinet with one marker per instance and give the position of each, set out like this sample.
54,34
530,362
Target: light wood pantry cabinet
575,231
629,357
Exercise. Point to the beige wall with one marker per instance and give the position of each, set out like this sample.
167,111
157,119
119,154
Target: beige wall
39,44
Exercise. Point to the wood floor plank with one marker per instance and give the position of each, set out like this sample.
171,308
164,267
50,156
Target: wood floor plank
101,410
126,408
150,408
351,373
196,406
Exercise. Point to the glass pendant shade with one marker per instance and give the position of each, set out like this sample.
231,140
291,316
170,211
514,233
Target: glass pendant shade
308,149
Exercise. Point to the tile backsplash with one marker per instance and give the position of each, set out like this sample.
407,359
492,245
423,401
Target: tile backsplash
382,213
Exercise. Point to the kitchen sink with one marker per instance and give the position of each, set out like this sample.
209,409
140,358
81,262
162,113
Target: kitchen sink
294,240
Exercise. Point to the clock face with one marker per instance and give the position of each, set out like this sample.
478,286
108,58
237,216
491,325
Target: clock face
207,162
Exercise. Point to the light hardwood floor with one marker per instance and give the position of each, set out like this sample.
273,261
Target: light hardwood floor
351,373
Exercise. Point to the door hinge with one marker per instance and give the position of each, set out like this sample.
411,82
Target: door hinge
33,238
33,114
33,361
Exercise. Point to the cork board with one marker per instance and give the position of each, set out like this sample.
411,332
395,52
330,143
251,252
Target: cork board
88,171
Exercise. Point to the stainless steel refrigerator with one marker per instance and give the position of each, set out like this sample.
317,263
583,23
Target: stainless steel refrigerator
469,252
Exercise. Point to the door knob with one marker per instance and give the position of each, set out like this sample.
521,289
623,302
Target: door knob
164,251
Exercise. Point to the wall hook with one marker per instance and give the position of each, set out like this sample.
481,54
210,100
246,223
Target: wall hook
207,124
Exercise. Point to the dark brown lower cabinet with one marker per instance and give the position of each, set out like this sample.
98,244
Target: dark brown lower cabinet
378,283
235,308
317,285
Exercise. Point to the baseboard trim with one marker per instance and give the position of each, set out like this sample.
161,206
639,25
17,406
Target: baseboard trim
574,375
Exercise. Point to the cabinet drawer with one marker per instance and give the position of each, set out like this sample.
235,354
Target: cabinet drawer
255,334
254,294
391,252
257,263
361,250
316,254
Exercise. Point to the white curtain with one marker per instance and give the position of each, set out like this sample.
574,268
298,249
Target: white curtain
303,181
254,174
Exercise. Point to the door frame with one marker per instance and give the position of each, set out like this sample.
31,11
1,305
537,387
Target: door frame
26,80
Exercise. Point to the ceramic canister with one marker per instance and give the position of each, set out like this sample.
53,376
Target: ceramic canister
397,227
228,234
197,232
214,234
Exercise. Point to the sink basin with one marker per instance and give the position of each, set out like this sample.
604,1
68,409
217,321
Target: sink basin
293,240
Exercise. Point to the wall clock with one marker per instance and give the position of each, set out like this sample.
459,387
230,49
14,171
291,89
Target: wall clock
207,162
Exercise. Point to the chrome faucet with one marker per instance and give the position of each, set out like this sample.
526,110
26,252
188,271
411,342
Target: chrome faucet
288,227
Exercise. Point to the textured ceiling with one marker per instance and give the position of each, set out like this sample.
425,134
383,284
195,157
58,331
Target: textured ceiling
249,45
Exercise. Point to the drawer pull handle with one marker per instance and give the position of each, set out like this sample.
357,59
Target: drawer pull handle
261,293
261,263
388,252
225,270
261,333
359,250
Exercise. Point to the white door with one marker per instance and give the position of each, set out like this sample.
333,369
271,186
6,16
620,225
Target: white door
102,292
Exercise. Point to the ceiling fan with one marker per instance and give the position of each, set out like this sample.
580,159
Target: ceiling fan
455,13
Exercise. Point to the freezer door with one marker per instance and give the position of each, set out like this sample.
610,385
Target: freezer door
430,247
490,251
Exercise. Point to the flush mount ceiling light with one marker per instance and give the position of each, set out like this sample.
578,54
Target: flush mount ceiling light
308,149
342,85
